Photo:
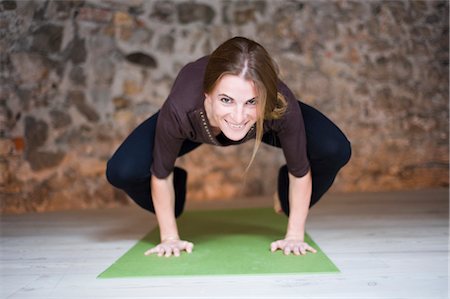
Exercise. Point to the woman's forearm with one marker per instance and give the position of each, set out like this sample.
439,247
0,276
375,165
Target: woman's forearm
299,199
163,196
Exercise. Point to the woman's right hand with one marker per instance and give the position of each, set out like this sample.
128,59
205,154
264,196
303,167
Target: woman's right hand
171,247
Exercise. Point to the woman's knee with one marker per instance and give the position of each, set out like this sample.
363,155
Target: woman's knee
336,151
120,174
326,142
112,174
346,152
342,152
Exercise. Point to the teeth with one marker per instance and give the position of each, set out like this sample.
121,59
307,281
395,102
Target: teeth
235,126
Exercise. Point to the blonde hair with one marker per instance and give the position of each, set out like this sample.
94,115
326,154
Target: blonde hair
240,56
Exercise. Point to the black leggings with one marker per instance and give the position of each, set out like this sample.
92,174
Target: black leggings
129,168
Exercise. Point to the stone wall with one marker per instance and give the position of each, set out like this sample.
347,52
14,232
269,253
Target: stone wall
78,76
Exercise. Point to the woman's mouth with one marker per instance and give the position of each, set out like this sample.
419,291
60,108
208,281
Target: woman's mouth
235,126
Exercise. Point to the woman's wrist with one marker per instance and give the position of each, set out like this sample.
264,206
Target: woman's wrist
169,238
295,229
294,237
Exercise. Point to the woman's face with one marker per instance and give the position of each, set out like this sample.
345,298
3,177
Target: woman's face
232,106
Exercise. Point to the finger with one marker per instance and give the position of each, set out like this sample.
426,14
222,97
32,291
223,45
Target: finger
281,244
296,250
189,247
161,252
302,250
311,249
152,250
287,250
168,252
273,246
184,245
276,245
176,252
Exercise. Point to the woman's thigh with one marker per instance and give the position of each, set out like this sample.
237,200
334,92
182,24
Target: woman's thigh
323,137
132,161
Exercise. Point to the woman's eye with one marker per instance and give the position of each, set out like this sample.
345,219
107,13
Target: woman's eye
251,102
225,100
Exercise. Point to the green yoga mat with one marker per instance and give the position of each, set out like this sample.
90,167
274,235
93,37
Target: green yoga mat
226,242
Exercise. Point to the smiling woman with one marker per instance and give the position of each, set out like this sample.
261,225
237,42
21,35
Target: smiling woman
227,98
243,67
231,107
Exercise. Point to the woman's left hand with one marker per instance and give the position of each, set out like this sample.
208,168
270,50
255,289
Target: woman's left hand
296,246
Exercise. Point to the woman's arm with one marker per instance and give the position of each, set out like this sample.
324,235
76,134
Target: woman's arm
299,198
163,196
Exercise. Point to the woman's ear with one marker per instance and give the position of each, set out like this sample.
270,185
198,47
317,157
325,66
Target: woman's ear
207,98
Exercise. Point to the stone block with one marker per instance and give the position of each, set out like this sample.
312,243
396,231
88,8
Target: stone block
36,133
166,43
47,38
136,35
60,119
142,59
76,51
163,11
77,75
6,146
91,167
40,160
19,144
123,19
30,67
125,33
96,15
121,103
78,99
9,5
189,12
131,88
104,69
61,10
124,119
4,172
242,17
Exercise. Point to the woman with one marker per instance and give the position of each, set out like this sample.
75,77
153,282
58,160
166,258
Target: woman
232,96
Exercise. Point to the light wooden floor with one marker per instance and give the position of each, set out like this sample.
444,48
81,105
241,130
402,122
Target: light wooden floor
387,245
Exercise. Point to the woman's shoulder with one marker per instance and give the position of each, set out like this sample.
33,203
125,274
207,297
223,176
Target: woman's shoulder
292,112
195,68
186,93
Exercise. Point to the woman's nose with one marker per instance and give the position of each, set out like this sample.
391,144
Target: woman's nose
238,114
